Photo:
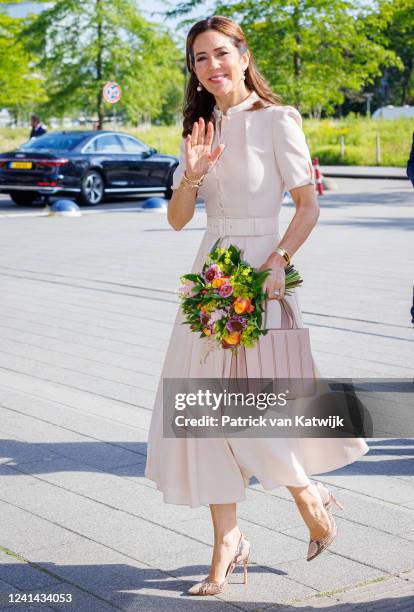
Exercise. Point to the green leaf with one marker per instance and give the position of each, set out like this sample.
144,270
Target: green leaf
192,277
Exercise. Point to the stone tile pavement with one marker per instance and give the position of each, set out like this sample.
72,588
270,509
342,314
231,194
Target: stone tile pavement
85,314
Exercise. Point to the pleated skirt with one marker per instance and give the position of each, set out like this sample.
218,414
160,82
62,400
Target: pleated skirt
197,471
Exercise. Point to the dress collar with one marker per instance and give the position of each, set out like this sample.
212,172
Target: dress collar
251,98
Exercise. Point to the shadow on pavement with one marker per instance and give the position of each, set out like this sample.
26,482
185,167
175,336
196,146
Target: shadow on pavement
96,587
128,458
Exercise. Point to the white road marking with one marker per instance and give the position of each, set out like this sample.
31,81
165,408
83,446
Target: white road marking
44,213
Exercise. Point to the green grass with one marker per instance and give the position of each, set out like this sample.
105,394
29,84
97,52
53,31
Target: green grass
360,136
11,138
343,589
322,136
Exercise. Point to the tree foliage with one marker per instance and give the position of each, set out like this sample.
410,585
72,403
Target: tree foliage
82,45
312,52
399,37
21,87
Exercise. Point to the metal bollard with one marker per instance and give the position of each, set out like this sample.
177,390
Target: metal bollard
378,150
342,147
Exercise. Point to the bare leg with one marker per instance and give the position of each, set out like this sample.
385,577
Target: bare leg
226,538
310,506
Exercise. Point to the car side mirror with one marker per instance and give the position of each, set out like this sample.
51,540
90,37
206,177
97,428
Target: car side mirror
148,153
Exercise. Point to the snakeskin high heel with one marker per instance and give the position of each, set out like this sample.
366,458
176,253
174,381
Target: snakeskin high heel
206,587
318,546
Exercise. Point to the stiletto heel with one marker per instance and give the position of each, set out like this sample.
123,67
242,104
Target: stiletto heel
245,564
317,546
337,503
207,587
331,498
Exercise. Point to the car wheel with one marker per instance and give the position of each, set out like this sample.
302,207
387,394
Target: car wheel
92,189
24,198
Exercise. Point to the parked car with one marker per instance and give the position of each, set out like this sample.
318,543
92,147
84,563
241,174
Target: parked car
87,165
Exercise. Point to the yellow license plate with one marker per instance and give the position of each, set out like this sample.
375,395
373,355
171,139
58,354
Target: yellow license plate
21,165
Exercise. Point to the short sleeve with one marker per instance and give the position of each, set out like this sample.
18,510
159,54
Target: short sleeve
291,150
179,171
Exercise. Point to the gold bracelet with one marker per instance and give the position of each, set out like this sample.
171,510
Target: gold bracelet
193,182
187,187
281,251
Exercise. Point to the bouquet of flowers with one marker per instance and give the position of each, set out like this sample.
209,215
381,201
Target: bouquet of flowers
225,301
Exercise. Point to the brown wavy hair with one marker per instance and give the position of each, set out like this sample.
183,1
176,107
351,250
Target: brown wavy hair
201,104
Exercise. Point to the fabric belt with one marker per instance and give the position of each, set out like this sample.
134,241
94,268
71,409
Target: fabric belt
245,226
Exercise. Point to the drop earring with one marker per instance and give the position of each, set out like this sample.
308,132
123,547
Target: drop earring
244,75
199,86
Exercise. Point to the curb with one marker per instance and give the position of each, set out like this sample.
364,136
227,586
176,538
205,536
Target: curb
355,172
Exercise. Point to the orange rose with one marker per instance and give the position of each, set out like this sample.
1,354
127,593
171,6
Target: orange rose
218,282
242,305
207,331
232,339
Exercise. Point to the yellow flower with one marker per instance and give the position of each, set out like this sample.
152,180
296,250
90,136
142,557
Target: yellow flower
209,307
218,282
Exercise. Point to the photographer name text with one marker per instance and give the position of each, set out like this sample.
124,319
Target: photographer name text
332,422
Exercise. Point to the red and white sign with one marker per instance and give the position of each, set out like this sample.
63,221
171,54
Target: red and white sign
112,92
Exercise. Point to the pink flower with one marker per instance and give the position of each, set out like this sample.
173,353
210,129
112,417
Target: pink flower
212,272
226,290
216,315
186,289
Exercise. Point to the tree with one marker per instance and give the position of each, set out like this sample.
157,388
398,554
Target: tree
84,44
400,39
21,88
311,51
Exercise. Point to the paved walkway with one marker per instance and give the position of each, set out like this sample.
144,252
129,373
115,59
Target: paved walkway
85,316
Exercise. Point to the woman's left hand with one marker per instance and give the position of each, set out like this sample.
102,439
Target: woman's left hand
276,278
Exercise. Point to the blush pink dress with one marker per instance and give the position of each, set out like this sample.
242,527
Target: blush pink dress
265,155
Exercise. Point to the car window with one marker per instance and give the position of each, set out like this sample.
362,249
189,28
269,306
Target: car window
54,142
107,143
130,145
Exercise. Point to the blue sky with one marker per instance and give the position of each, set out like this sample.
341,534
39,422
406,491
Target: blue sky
159,5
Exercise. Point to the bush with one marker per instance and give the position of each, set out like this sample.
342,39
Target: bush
322,136
360,140
329,155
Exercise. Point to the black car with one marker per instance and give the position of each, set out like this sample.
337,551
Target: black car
87,165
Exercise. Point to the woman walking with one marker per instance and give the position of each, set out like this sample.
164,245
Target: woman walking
241,149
